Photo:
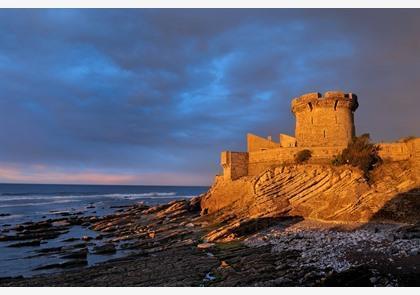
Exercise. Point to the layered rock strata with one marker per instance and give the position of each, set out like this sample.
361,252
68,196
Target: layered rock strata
320,192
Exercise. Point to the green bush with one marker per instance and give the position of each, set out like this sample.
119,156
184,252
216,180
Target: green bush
360,152
303,156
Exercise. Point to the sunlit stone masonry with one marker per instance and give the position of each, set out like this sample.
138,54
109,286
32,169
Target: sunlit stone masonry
324,125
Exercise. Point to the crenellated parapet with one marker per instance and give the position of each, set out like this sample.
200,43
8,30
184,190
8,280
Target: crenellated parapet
330,99
324,120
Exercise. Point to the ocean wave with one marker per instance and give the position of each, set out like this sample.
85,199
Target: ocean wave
11,216
83,196
159,197
36,204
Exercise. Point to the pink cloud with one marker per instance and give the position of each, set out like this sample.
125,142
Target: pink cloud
12,174
43,174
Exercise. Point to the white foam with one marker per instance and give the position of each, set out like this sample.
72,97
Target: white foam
84,196
36,204
159,197
11,216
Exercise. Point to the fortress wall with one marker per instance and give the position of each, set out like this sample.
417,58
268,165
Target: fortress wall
257,143
325,154
324,126
238,164
395,151
262,160
235,164
415,147
402,151
287,140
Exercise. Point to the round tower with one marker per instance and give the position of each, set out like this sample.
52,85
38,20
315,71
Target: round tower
324,120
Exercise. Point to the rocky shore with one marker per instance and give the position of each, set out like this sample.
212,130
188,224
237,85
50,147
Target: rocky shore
174,245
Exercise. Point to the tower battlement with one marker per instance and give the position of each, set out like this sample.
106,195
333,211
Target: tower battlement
330,99
324,120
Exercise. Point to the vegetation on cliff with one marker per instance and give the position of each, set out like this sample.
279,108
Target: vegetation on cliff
360,153
303,156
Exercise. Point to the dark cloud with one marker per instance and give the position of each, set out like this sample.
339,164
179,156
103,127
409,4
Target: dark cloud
143,93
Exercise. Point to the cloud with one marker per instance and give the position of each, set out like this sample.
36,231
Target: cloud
146,92
53,175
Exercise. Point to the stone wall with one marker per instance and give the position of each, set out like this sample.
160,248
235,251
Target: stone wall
235,164
259,161
257,143
415,147
238,164
287,140
395,151
262,160
324,120
403,151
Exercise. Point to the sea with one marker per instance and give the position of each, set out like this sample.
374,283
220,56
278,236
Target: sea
20,203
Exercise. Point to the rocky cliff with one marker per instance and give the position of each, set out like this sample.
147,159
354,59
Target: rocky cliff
320,192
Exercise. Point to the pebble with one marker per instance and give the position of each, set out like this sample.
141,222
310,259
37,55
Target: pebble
205,245
327,248
209,277
224,264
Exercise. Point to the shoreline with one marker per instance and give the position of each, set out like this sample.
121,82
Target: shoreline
168,245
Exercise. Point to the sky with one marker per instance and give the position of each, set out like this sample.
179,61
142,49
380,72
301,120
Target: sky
152,96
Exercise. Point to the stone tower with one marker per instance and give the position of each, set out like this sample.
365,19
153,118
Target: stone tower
326,120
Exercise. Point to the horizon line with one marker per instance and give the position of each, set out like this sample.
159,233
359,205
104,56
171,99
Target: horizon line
167,185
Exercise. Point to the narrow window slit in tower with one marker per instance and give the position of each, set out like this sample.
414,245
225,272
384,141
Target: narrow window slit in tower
324,133
310,106
312,120
335,105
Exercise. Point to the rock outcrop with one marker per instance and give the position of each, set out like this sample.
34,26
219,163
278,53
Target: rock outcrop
320,192
172,245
